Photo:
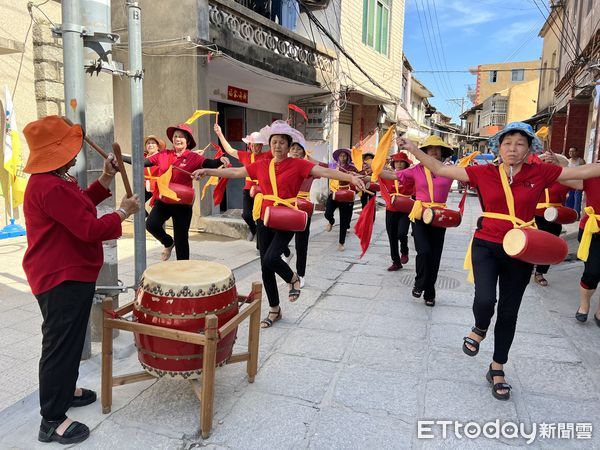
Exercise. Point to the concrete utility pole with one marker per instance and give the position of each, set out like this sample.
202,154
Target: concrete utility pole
72,33
134,26
460,102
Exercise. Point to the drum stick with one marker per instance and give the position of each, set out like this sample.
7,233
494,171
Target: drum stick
117,151
182,170
89,141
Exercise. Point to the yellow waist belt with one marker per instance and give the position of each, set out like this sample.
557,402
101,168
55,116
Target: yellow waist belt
547,203
259,198
517,223
591,227
251,180
303,194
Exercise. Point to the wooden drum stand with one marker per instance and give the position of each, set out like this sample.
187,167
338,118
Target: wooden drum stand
204,389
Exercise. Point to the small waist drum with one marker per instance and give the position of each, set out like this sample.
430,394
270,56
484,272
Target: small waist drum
374,187
561,215
441,217
305,205
344,196
535,246
185,194
255,189
179,295
398,203
285,219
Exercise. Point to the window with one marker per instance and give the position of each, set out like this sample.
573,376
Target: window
376,24
493,76
543,81
553,70
315,116
589,6
517,74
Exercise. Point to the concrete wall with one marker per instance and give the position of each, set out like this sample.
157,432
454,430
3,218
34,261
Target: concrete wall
503,81
548,78
522,101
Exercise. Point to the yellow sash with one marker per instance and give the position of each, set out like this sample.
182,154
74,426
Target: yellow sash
466,160
417,210
303,194
258,198
397,193
547,204
591,227
252,159
511,217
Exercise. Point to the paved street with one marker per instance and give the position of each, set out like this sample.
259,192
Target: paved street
353,364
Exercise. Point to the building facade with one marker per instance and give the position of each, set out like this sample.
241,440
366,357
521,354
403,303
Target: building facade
492,78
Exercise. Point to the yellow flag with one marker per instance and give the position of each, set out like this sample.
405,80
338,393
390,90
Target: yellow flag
382,152
466,160
12,161
357,158
199,113
212,181
162,183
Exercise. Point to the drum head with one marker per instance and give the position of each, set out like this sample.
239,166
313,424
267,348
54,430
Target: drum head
176,276
551,214
514,242
428,215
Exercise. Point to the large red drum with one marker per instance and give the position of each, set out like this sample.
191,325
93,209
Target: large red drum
185,194
305,205
535,246
399,203
442,218
561,215
285,219
344,195
179,295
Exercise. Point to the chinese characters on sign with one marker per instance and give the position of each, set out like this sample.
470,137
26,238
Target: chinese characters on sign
237,94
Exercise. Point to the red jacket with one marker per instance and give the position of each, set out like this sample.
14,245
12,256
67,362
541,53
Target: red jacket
64,234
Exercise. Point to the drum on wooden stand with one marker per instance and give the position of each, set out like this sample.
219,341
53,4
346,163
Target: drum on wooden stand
535,246
442,218
561,215
179,295
344,195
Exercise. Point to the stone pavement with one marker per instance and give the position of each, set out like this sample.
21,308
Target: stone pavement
353,364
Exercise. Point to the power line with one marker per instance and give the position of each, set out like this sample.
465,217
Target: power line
537,69
563,46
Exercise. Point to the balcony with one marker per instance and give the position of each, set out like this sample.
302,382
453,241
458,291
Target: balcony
282,12
254,39
493,119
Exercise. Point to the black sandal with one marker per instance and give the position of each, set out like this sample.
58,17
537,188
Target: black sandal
430,302
294,293
470,341
268,322
76,432
87,397
416,292
498,386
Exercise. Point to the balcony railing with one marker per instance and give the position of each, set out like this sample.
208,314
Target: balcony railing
282,12
493,119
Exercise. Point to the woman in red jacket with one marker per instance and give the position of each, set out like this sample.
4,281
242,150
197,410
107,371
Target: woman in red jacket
508,194
288,175
62,262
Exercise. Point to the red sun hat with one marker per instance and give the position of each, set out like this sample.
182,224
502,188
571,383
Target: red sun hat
191,143
52,144
401,157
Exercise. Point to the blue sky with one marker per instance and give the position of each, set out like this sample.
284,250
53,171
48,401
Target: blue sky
471,32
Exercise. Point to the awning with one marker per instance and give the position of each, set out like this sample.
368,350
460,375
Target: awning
538,117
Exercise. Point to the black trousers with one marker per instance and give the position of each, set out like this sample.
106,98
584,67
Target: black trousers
396,225
302,249
491,267
345,215
182,218
591,270
429,243
247,206
364,199
272,244
65,310
550,227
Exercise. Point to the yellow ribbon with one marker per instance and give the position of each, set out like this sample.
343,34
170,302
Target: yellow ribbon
416,213
591,227
252,159
466,160
510,217
259,198
303,194
547,204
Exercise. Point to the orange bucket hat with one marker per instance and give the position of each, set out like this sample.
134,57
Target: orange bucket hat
52,144
161,144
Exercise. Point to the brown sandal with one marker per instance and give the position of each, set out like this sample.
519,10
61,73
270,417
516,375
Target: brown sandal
267,322
539,279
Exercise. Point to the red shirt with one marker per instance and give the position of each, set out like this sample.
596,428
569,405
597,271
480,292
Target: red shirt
187,160
527,187
64,235
246,159
591,188
407,188
289,174
557,193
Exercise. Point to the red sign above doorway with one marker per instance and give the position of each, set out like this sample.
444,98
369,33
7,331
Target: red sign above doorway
237,94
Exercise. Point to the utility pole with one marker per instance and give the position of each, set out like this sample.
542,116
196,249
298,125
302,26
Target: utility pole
460,102
134,26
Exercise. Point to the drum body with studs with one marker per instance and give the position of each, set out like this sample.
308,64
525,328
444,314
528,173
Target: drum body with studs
344,195
179,295
535,246
401,203
561,215
442,218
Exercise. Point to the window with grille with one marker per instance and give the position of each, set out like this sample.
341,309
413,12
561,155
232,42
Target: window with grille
315,116
493,76
376,24
517,75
